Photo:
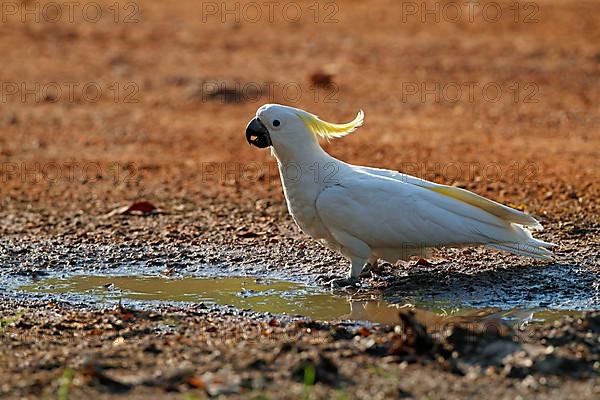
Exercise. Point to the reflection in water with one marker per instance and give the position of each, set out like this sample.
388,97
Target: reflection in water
266,295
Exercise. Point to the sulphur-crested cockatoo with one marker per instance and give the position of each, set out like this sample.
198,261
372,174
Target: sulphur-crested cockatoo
369,213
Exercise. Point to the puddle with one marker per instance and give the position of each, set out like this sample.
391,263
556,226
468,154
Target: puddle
272,296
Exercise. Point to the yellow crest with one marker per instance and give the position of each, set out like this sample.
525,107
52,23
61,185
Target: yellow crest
330,130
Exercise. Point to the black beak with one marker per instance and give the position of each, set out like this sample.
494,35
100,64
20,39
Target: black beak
257,134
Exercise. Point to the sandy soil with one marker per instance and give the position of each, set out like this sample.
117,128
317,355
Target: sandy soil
150,102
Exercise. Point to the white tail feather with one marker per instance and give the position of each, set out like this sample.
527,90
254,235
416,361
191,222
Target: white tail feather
536,251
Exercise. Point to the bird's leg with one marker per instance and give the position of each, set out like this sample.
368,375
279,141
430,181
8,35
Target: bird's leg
356,266
357,251
371,262
343,283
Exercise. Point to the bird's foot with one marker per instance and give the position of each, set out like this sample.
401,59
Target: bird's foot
344,283
338,283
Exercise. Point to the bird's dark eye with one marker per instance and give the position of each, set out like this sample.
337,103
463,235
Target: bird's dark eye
276,123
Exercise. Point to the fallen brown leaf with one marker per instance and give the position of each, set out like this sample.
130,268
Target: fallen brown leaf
137,208
321,79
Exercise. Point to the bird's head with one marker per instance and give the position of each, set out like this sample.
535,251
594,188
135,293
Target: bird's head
288,128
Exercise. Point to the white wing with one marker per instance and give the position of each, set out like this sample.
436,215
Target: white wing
390,213
500,210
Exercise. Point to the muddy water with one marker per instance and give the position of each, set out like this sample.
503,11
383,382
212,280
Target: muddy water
269,295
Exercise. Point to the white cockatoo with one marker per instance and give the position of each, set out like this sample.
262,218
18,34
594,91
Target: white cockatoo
369,213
